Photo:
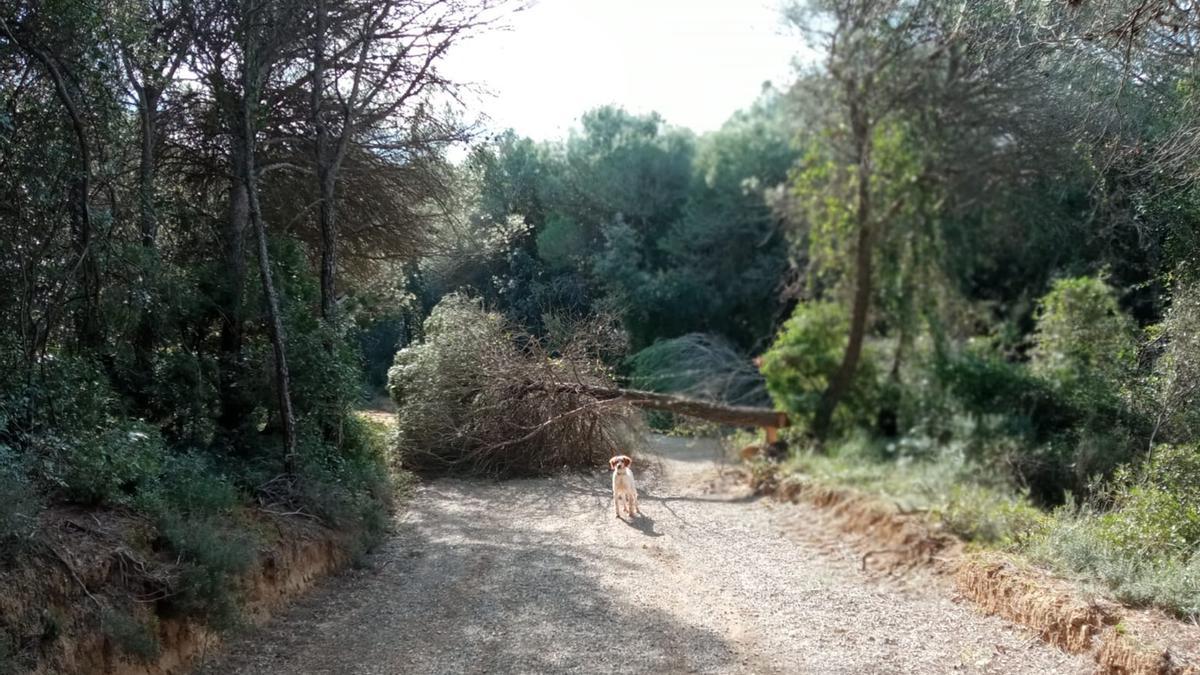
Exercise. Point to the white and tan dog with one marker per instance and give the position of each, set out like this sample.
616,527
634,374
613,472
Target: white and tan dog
623,486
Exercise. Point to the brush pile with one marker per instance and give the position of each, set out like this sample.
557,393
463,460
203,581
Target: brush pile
480,396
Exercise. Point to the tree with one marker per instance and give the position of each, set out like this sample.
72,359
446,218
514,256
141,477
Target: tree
373,64
922,106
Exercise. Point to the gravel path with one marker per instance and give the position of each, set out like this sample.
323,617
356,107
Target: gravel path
534,576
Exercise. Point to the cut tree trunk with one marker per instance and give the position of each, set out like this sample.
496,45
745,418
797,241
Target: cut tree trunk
733,415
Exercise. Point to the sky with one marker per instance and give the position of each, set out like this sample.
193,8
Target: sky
693,61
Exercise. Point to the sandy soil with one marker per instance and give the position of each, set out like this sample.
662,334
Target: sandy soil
538,576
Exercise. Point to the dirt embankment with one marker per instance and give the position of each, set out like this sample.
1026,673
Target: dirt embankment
1120,639
92,592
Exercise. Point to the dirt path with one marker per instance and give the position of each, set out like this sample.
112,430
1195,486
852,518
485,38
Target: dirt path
537,576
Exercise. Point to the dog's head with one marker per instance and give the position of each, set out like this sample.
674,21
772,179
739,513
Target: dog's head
619,463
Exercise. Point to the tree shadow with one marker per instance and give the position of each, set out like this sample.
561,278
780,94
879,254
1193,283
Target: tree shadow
466,586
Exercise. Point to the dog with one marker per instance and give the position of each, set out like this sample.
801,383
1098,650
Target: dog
623,486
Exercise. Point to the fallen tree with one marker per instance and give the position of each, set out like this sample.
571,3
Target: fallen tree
732,415
481,396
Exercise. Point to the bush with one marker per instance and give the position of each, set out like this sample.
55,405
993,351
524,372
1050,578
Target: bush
110,465
19,504
213,554
1146,545
991,516
481,396
1047,436
1157,513
806,354
1083,339
699,365
131,635
195,509
352,490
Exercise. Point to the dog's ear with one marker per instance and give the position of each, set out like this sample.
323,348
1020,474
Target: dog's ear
627,462
612,463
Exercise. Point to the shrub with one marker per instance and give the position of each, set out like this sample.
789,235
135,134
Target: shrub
1146,545
352,490
991,516
1083,339
195,509
806,354
479,395
109,466
1050,437
213,554
19,504
1175,380
1158,512
131,635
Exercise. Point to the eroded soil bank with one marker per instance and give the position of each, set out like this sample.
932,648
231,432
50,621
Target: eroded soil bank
92,588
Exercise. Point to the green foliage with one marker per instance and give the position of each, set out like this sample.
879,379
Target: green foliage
213,554
806,354
1156,511
19,503
698,365
1083,339
561,242
130,635
195,509
352,490
110,466
673,231
991,516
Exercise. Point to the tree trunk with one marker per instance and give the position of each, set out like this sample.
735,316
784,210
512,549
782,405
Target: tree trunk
87,274
147,168
328,215
738,416
287,418
326,164
234,405
841,381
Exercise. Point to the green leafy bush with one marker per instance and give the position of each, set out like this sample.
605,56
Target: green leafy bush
19,503
1143,542
195,509
1157,511
991,516
130,635
353,490
806,354
1083,339
109,466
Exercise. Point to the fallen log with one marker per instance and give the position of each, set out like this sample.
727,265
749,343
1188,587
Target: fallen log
733,415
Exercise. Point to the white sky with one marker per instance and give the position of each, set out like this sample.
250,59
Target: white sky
695,62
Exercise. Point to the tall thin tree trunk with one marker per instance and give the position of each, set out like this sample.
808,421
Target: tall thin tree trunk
328,215
326,172
841,381
234,405
287,418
